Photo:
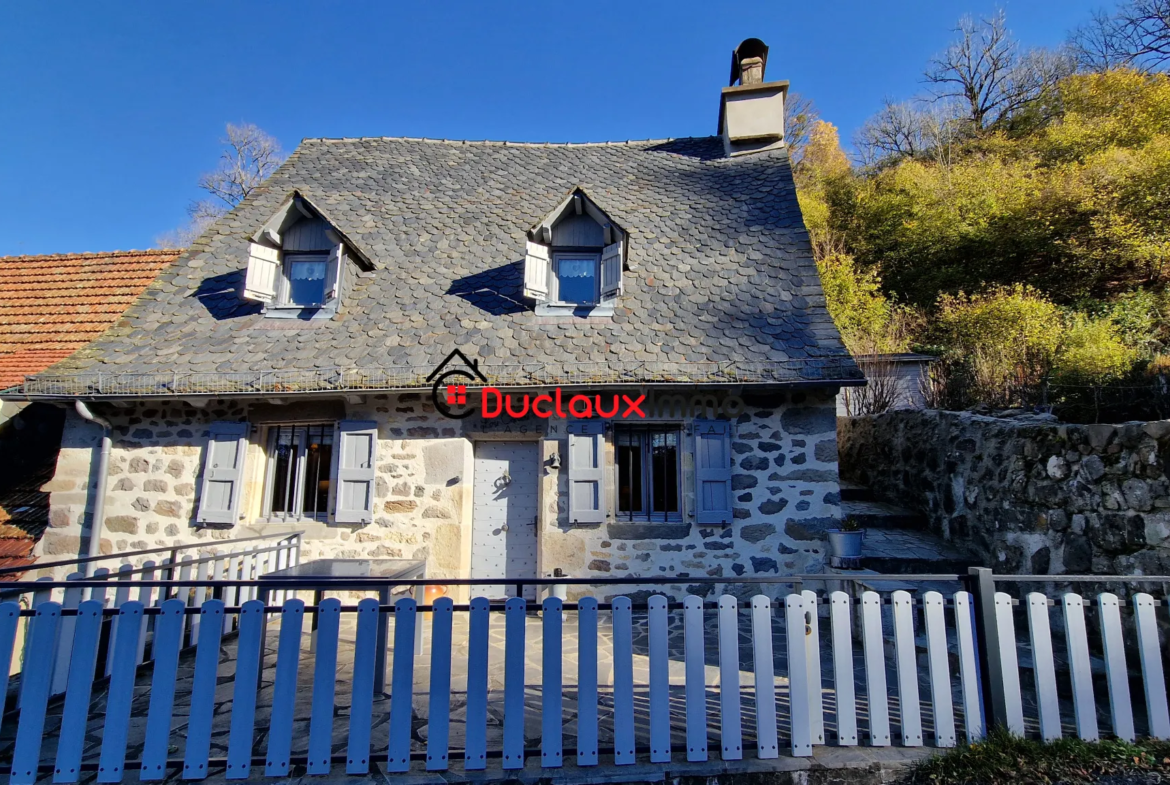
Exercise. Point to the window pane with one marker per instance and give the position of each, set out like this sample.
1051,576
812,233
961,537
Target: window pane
284,448
318,461
306,282
577,279
629,461
664,472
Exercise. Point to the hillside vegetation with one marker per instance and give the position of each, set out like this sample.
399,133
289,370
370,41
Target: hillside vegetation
1029,249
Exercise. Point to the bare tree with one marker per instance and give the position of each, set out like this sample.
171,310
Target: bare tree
799,117
986,70
911,129
896,131
1137,35
882,391
250,155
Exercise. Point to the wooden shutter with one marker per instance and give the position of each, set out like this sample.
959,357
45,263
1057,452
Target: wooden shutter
713,471
223,474
537,270
357,451
333,273
612,261
263,273
586,484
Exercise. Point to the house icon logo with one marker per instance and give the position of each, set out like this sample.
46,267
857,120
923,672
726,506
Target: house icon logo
449,386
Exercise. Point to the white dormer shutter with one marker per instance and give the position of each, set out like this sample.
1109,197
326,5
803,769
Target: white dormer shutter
263,273
537,269
333,274
612,262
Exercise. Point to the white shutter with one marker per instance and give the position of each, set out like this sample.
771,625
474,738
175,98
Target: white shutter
263,273
357,451
713,471
223,473
586,485
537,269
333,274
612,262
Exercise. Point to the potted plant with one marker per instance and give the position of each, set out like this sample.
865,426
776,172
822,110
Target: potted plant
845,542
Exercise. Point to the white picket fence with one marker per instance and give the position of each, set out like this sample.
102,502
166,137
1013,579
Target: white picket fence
924,635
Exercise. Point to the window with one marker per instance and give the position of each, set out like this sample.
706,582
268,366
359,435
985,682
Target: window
648,467
576,278
300,462
305,279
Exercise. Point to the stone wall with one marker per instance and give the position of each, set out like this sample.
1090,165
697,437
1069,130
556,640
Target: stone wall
1027,494
785,481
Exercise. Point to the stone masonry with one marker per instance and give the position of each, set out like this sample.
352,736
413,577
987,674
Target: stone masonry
785,489
1030,496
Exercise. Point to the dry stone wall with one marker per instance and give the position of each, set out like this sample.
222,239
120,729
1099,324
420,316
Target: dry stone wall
1029,495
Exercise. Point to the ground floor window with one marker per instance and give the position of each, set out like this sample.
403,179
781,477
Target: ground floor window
649,466
300,462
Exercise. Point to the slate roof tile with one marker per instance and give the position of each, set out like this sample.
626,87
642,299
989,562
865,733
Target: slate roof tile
717,251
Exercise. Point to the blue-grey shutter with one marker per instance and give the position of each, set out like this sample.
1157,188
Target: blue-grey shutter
713,471
586,480
223,473
357,452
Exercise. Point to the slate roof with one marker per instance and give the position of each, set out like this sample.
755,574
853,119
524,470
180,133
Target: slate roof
52,305
721,271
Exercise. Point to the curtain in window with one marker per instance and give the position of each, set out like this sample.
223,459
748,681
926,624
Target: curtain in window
308,271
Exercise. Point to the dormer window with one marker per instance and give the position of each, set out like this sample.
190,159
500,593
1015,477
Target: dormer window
296,263
574,259
576,276
309,278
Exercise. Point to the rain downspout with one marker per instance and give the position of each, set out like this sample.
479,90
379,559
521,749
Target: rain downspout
97,519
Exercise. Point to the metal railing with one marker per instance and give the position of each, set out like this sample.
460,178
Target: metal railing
129,557
120,384
620,679
246,558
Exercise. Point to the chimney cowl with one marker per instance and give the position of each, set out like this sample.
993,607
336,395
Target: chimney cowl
751,111
749,49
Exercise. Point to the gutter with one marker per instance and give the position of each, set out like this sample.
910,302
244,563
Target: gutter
98,515
799,384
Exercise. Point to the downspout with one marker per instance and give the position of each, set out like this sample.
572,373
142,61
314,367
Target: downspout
97,519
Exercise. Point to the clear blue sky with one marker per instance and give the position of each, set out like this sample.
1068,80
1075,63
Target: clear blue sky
110,111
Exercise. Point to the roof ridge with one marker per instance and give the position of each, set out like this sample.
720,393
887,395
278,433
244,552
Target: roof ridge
500,143
93,254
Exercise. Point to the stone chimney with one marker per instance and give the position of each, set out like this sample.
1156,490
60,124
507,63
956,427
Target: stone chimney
751,111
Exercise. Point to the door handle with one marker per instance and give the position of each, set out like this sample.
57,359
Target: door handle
504,527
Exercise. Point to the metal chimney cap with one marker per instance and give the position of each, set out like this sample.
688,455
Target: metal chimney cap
749,47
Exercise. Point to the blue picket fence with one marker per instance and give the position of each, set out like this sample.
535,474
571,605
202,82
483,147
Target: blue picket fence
733,695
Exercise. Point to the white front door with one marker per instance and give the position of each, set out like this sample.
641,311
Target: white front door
503,536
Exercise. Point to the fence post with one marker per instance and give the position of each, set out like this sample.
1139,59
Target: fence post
981,584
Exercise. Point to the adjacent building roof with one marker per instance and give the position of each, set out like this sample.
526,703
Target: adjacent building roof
721,284
50,306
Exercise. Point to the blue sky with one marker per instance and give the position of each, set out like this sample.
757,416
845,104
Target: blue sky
110,111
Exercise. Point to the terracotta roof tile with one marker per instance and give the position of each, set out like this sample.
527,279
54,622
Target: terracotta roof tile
51,306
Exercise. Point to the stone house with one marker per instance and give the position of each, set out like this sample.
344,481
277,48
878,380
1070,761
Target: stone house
296,367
